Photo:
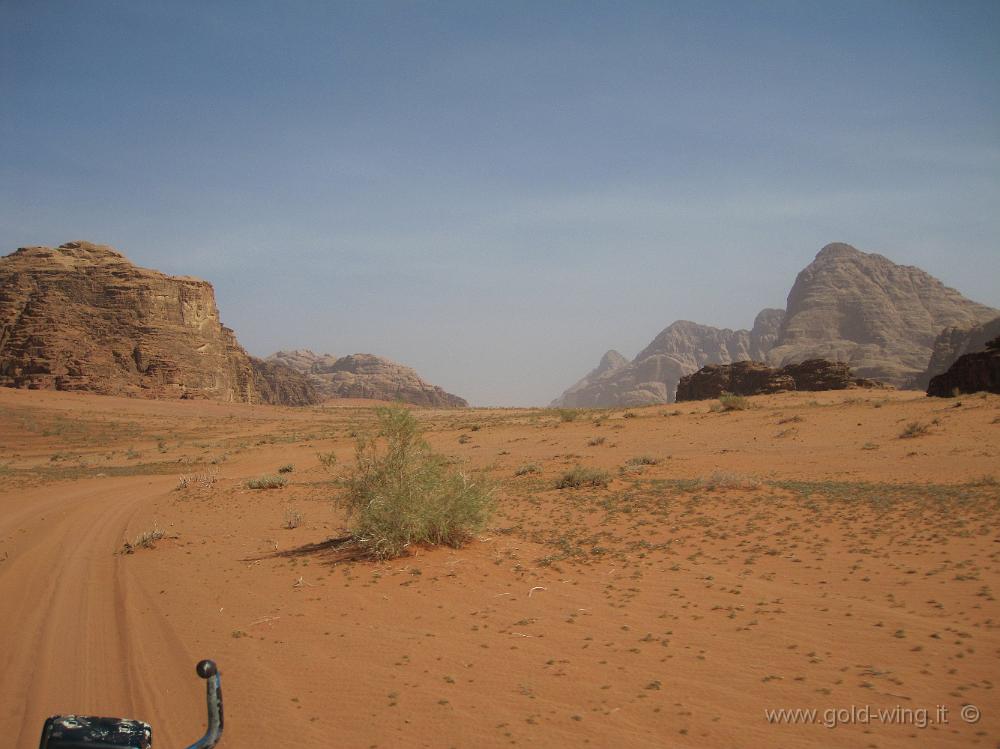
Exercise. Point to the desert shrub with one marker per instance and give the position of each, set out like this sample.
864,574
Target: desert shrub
628,415
287,468
400,492
327,460
266,482
914,429
579,476
642,460
730,402
203,480
595,441
568,414
527,468
145,540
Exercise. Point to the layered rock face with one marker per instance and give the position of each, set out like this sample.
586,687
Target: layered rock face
971,373
366,376
879,317
953,343
756,378
680,349
82,317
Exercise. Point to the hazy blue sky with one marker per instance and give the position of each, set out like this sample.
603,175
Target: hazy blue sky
496,193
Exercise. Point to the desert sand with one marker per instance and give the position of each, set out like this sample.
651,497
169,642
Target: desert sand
798,554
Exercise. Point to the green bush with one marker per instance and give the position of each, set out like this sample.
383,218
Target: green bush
730,402
580,476
266,482
401,493
643,460
915,429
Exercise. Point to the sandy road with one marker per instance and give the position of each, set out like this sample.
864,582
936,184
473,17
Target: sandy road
78,634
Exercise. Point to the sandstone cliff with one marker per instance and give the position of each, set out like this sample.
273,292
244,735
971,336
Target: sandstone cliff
953,343
366,376
82,317
681,348
879,317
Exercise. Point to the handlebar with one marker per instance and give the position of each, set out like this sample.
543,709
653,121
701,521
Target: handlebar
213,696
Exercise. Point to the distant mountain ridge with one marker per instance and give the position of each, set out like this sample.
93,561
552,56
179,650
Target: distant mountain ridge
880,318
365,376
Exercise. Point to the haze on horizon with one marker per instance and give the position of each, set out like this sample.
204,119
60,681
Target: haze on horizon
495,194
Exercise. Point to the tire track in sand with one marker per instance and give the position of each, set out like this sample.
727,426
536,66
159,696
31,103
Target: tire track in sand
69,603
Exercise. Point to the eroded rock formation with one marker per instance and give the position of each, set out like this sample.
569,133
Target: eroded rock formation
971,373
953,343
366,376
879,318
82,317
756,378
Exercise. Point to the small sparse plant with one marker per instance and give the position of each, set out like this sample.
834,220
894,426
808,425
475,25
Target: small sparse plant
730,402
579,476
464,439
869,446
293,518
287,468
145,540
203,480
266,482
527,468
595,441
914,429
327,460
568,414
642,460
628,415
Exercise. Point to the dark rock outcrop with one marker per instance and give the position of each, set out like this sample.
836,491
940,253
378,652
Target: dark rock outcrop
953,343
971,373
756,378
82,317
366,376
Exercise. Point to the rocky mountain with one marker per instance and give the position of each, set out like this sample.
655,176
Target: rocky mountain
953,343
82,317
365,376
880,318
756,378
681,348
592,385
971,373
